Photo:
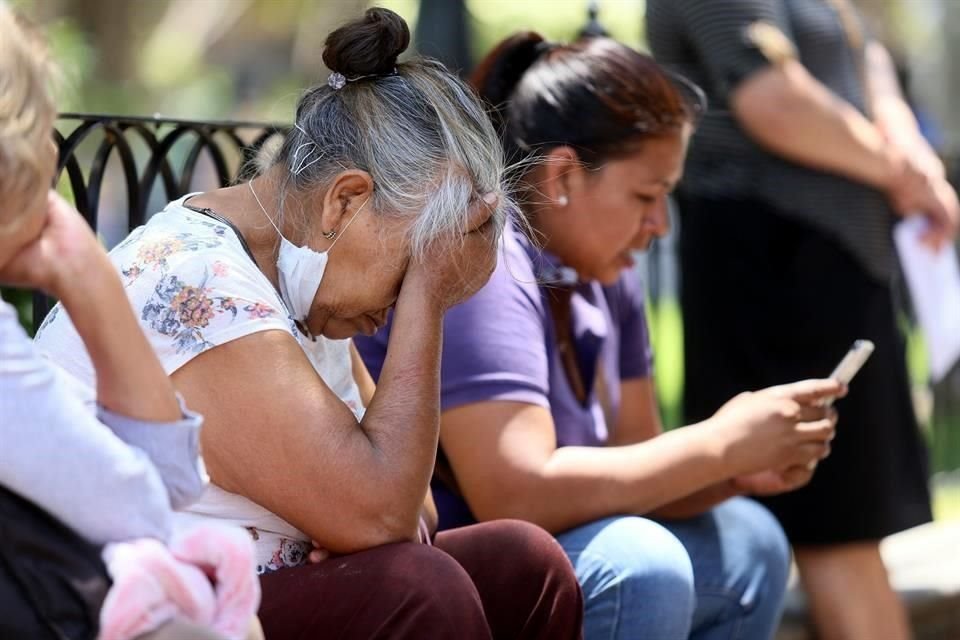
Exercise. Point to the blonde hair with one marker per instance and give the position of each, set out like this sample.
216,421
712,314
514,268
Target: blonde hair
27,113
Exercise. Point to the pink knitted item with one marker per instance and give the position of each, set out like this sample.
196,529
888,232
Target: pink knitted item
226,553
206,576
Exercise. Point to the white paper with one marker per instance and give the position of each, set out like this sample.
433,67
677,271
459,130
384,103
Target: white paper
934,282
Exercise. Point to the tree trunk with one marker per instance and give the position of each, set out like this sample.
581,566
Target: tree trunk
443,33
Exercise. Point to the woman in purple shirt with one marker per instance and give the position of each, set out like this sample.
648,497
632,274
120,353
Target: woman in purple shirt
548,399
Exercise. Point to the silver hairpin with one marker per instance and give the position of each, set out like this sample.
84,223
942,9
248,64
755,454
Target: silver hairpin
337,81
298,164
298,168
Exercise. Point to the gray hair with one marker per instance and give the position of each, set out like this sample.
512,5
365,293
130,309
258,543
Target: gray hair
421,133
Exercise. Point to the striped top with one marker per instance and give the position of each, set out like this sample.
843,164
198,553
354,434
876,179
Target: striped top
716,43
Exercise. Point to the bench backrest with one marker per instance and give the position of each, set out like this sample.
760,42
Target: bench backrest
155,160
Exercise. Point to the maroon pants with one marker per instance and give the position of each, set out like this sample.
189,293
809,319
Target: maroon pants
503,579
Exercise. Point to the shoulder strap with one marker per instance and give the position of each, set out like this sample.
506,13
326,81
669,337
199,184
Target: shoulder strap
559,299
210,213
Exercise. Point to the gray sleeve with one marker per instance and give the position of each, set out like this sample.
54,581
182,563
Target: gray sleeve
723,34
173,448
55,453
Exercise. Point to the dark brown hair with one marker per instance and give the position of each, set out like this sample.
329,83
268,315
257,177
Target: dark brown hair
596,95
367,46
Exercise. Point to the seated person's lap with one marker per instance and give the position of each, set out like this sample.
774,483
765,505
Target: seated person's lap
455,588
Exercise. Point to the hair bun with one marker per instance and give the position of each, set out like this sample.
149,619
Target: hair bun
367,46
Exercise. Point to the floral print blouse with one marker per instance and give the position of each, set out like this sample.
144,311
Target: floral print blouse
193,287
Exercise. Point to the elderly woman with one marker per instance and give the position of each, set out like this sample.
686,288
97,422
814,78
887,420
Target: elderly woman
549,412
72,477
386,193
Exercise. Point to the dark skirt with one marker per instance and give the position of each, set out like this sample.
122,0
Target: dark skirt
767,300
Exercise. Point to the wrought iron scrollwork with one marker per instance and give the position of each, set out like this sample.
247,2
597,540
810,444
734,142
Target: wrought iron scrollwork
147,149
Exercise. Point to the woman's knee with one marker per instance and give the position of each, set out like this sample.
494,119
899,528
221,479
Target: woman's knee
640,559
427,587
760,544
531,551
528,547
543,598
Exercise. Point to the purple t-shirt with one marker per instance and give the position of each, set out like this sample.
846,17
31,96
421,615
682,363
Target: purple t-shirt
500,345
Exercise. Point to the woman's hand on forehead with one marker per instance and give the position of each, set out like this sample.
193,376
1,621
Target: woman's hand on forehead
456,267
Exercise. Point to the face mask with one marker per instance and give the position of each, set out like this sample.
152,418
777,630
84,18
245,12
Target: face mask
300,269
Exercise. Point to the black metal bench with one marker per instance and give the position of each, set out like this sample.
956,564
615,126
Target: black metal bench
150,161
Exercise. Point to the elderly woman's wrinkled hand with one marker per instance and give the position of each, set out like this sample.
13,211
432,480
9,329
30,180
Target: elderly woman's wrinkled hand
455,269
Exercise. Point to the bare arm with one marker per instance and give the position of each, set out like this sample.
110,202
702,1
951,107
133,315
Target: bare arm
278,435
512,467
68,261
429,513
59,456
639,421
639,418
789,112
365,383
892,115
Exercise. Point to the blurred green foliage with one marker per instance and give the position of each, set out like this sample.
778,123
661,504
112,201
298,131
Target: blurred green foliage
493,20
249,58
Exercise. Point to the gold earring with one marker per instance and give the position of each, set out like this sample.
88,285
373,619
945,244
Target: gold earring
329,235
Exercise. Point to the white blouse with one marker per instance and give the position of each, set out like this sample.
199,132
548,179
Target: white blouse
193,287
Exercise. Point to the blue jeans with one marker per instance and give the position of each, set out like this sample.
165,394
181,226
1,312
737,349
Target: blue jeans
718,576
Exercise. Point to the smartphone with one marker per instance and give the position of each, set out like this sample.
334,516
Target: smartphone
852,362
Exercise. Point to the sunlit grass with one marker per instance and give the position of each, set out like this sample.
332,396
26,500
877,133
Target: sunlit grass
946,501
666,333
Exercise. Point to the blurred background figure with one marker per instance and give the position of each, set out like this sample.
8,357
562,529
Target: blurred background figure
793,184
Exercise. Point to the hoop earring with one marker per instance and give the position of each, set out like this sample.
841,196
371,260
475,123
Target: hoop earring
329,235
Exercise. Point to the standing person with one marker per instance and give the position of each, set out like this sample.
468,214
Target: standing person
549,412
804,161
387,192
